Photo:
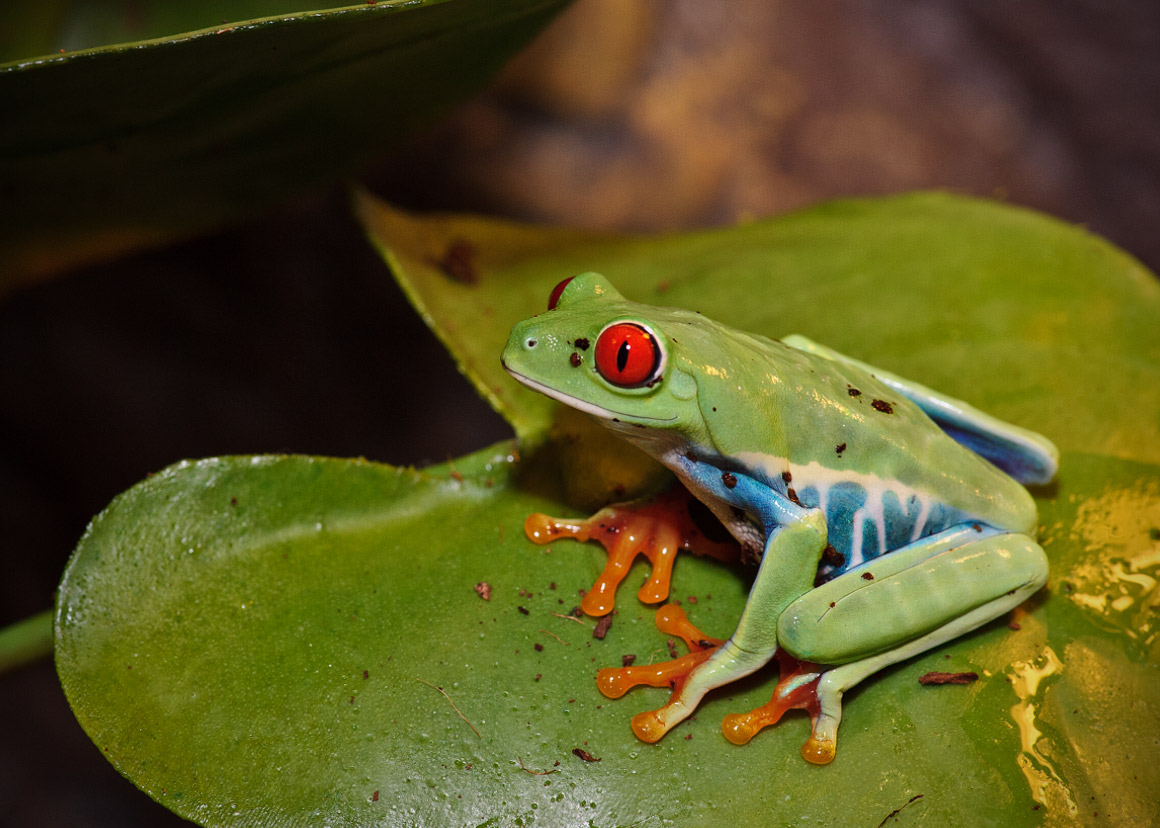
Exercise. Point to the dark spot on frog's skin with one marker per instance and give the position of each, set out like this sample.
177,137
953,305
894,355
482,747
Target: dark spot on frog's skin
714,408
582,344
883,406
792,495
976,527
854,392
616,419
867,576
832,556
840,448
729,480
575,360
786,476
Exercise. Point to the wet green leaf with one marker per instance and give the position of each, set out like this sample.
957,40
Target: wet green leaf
124,143
254,641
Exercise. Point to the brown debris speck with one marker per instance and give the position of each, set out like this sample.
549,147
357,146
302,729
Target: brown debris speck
583,754
523,610
883,406
729,479
628,659
602,626
935,677
483,589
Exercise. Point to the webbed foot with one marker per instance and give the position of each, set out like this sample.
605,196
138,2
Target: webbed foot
797,688
656,527
651,725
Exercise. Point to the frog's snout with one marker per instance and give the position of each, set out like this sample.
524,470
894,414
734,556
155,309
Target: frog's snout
523,339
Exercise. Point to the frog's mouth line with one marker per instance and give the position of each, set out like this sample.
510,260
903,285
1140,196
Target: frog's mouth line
579,404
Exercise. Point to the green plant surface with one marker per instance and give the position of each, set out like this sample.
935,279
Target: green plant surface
259,641
185,127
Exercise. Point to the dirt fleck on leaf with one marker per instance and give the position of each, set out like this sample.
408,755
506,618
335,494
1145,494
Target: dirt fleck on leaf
483,589
602,626
935,678
458,262
585,755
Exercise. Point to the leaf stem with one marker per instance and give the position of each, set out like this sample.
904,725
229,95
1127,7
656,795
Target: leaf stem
26,641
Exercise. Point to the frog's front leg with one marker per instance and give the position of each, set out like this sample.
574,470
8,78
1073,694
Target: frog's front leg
795,539
895,607
656,527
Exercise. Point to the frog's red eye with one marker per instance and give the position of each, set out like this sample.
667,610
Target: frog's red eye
554,298
627,355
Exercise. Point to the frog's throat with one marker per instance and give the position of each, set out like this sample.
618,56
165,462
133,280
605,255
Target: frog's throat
583,405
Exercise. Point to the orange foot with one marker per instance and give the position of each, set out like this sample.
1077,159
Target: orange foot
797,688
615,682
655,527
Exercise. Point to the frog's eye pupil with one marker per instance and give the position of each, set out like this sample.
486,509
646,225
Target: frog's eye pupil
628,355
554,297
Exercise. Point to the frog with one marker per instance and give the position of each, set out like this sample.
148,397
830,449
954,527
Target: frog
885,518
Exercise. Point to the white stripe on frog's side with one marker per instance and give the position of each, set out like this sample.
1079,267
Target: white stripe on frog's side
823,479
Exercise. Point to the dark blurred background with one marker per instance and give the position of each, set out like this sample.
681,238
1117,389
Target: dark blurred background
286,334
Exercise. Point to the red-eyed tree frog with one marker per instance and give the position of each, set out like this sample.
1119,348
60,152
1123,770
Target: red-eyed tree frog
888,518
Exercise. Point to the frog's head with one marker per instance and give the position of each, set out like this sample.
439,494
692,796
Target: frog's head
611,358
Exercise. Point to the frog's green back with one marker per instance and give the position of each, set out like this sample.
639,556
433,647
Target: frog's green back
759,396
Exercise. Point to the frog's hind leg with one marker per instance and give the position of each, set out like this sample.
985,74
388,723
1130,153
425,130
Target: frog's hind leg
902,604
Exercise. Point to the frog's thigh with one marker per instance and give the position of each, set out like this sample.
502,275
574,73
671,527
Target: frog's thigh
939,587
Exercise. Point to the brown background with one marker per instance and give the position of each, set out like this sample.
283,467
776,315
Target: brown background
286,334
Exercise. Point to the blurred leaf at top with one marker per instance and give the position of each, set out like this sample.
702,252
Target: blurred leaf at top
127,122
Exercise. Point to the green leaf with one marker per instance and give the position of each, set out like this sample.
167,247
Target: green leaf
1033,320
127,143
216,621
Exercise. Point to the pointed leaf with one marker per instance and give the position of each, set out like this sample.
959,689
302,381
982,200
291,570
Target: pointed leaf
1022,315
